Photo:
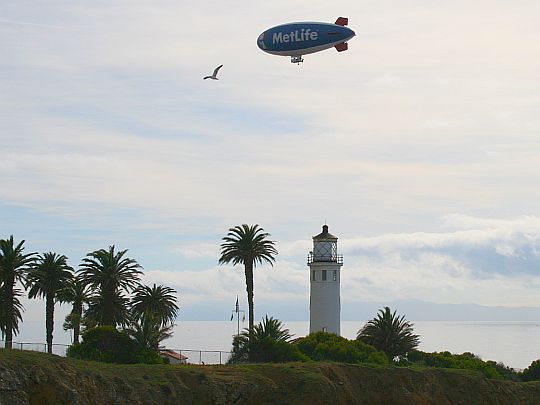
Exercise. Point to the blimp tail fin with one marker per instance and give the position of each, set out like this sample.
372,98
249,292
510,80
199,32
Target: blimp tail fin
341,47
342,21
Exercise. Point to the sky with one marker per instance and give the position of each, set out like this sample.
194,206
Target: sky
418,146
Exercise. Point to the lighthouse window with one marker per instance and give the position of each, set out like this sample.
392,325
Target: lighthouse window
313,275
324,275
335,275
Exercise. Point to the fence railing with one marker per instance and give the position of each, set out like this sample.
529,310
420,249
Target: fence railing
192,356
203,356
57,348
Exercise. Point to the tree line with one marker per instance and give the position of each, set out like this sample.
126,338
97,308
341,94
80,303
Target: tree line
106,290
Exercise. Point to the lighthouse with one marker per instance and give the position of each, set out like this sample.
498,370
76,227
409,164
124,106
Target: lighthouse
324,275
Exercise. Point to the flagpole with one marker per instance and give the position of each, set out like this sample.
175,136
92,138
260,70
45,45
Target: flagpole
237,316
237,310
238,322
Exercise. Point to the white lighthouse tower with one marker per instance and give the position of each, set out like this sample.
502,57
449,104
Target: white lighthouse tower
324,268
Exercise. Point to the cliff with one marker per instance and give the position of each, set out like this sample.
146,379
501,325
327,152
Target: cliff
37,378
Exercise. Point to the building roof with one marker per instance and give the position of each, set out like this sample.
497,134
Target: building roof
325,234
173,354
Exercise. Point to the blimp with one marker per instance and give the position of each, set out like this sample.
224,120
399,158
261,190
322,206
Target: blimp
302,38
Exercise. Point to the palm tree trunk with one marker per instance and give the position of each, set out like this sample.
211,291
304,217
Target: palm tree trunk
8,284
107,317
77,311
49,321
249,288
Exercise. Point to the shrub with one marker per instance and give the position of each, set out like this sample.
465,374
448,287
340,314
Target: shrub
107,344
465,361
323,346
532,373
264,350
268,350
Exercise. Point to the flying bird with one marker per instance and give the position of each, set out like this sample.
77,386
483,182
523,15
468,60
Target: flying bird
214,75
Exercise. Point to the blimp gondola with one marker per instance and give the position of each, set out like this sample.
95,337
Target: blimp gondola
302,38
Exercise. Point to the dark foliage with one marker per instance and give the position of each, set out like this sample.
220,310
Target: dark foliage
77,294
14,265
390,333
532,373
323,346
264,350
157,302
248,245
268,343
465,361
109,275
48,276
106,344
16,312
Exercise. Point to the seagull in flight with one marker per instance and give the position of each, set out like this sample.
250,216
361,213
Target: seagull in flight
214,75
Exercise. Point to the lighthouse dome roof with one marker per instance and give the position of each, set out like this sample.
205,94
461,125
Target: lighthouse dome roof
325,235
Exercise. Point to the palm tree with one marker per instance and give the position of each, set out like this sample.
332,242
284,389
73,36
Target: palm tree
271,328
76,293
16,314
148,331
46,279
159,302
389,333
246,343
13,266
108,309
109,275
247,245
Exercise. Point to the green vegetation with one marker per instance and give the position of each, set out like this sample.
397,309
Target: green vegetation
268,344
263,350
149,332
14,265
389,333
106,344
323,346
48,276
465,361
153,311
77,294
16,310
110,276
157,302
99,294
247,245
532,373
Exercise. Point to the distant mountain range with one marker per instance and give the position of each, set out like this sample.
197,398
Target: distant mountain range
413,310
429,311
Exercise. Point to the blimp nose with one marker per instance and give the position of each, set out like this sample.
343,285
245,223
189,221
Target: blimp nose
343,33
349,33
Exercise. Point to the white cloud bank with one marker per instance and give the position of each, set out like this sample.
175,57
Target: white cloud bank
492,262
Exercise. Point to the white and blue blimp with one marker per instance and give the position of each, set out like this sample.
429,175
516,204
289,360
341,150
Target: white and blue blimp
302,38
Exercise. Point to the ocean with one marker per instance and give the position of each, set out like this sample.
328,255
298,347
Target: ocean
516,344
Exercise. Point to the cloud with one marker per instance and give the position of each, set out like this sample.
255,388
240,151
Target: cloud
199,250
482,260
272,284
